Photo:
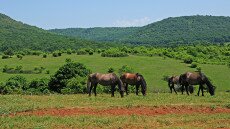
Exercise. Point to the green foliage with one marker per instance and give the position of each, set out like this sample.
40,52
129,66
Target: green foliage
18,36
168,32
81,52
15,84
38,86
188,60
111,70
125,69
44,55
19,56
19,70
113,52
9,52
5,56
68,71
194,65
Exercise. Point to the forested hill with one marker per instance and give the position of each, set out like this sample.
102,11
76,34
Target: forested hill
177,30
18,36
98,33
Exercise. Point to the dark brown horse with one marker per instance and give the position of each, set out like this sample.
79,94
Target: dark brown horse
196,78
174,80
110,79
134,79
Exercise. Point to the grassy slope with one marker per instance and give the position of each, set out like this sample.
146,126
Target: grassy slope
153,68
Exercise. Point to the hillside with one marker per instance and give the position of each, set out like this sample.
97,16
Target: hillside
98,33
18,36
177,30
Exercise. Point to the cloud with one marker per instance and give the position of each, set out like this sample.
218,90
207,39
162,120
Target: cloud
135,22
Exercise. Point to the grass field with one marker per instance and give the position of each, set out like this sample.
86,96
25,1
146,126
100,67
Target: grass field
19,103
153,68
156,110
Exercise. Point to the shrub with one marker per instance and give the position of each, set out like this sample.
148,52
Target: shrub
55,54
9,52
47,72
40,84
44,55
81,52
125,69
67,60
193,65
90,52
228,64
19,56
198,69
14,84
68,71
77,85
111,70
5,56
69,51
113,52
188,60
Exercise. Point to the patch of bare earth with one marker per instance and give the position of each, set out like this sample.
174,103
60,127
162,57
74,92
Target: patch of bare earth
138,110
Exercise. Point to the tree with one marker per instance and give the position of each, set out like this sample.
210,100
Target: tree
68,71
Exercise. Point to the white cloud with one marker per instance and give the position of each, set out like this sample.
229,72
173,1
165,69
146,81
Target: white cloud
135,22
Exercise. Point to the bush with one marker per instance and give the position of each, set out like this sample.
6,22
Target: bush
44,55
228,64
111,70
65,73
198,69
5,56
77,85
188,60
125,69
193,65
81,52
55,54
19,56
91,53
113,52
40,84
15,85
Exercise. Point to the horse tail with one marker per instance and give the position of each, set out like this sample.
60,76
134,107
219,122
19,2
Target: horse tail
209,84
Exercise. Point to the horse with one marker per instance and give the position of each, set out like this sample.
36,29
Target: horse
175,80
110,79
196,78
134,79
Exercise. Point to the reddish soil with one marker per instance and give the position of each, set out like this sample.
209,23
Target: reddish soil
140,110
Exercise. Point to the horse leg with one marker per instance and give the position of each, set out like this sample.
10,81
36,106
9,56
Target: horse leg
182,89
143,91
126,88
199,90
137,89
94,89
112,90
186,87
170,89
174,89
90,89
202,90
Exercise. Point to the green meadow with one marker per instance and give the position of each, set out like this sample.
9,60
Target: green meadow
152,68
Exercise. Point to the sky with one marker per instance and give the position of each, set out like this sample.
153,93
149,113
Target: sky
50,14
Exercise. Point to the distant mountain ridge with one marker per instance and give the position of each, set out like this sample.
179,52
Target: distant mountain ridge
18,36
173,30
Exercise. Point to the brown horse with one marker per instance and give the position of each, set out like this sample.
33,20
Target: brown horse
110,79
175,80
196,78
134,79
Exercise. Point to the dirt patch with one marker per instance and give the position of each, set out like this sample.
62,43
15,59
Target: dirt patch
139,110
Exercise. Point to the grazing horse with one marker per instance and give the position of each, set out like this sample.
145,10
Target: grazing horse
110,79
134,79
196,78
175,80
